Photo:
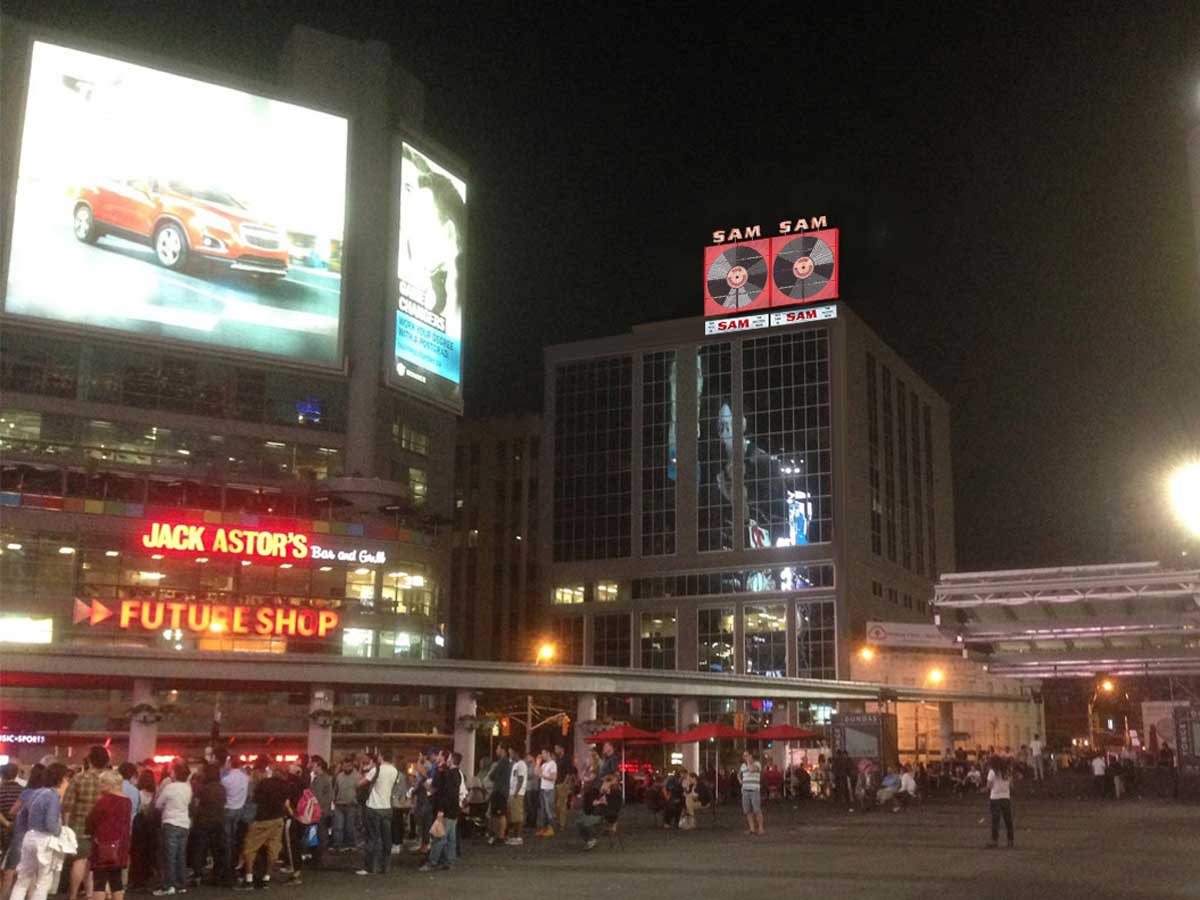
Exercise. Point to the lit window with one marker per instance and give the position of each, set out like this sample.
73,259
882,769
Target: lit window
358,642
26,630
606,591
569,595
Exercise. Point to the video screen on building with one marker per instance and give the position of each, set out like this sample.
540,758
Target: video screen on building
170,208
431,242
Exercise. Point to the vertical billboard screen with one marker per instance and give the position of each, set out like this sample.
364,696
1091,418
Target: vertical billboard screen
174,209
430,252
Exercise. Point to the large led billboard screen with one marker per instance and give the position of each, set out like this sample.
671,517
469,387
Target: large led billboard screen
174,209
430,252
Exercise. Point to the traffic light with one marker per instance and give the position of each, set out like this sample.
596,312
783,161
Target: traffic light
566,725
504,726
739,721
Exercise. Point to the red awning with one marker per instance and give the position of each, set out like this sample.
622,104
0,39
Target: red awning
709,731
623,733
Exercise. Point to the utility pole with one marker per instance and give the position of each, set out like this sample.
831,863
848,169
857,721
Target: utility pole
528,724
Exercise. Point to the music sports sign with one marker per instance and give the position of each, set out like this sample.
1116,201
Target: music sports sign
745,272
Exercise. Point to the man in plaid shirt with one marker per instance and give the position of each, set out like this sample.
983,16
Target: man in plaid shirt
81,796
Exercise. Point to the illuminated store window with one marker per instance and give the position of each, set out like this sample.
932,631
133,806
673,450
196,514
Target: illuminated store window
568,594
606,591
592,459
658,453
918,492
358,642
889,465
612,640
360,586
816,639
714,388
402,643
786,445
766,640
875,479
26,630
407,591
714,639
658,635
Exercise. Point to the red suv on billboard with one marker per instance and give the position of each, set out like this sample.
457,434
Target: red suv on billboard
181,222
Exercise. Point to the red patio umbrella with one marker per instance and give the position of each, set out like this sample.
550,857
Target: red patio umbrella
622,734
712,731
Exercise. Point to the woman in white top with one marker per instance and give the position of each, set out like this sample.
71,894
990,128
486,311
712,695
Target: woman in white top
172,802
999,788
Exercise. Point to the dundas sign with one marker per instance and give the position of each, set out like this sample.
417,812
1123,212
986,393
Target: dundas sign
248,543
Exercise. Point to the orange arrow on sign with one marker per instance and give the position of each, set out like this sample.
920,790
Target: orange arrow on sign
93,612
100,612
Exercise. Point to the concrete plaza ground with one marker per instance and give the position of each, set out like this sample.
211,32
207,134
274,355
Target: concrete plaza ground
1066,849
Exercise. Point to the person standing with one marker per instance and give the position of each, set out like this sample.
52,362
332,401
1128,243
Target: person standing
322,788
173,802
447,804
10,793
345,807
533,790
77,805
565,784
610,763
111,825
271,806
209,825
237,791
750,775
548,779
40,821
999,788
1099,773
380,778
517,780
500,776
1036,751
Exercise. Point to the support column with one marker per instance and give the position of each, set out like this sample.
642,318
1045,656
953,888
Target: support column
783,716
688,714
143,731
946,728
585,711
464,738
320,729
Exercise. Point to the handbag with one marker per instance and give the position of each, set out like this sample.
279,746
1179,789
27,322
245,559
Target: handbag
106,855
437,829
363,792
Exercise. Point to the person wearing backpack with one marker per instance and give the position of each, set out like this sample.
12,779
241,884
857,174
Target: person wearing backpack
322,788
305,826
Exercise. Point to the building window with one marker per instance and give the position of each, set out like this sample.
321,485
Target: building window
407,593
933,566
658,634
772,579
410,439
889,465
568,595
569,634
358,642
902,464
593,426
893,596
360,585
766,640
918,502
606,591
816,639
658,713
418,486
877,591
714,640
612,641
658,453
908,601
873,457
714,388
788,468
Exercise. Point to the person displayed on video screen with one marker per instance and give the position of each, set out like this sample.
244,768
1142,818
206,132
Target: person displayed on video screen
431,235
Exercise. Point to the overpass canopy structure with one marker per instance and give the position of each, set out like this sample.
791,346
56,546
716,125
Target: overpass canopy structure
1079,621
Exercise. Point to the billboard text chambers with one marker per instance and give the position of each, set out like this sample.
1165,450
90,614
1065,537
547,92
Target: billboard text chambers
429,272
162,206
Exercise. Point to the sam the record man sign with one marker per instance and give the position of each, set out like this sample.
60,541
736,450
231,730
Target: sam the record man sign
745,272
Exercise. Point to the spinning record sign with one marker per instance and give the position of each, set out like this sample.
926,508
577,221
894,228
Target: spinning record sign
804,268
736,278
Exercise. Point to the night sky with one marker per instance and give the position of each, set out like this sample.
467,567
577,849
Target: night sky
1011,188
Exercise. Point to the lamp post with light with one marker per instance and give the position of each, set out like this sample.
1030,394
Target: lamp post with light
1107,687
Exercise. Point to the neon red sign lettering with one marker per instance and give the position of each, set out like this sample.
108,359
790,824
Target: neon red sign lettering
219,540
217,618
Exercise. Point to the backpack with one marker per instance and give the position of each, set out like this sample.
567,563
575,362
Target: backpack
308,810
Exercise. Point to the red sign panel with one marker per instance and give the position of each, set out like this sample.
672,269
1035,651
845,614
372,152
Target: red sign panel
221,540
736,277
804,268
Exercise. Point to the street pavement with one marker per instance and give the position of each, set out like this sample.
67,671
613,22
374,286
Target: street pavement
1136,850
